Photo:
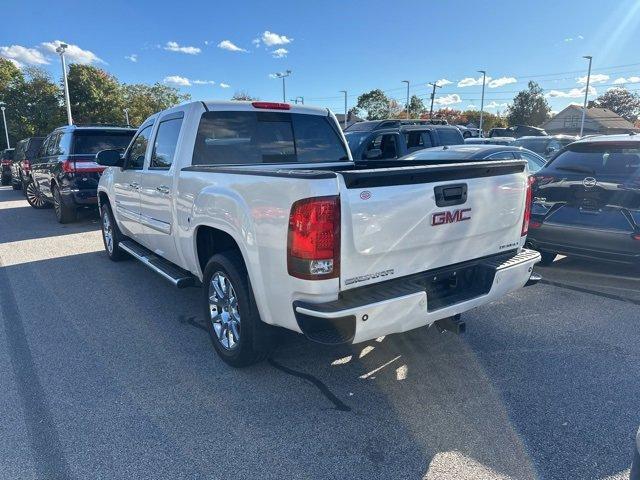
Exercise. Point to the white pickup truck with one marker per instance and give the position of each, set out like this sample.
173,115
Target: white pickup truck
261,204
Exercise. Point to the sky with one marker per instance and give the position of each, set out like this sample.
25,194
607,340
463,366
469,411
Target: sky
212,49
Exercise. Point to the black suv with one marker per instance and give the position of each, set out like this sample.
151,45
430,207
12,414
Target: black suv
65,172
587,201
6,157
390,139
25,154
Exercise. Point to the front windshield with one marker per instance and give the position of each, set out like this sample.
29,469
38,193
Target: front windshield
538,145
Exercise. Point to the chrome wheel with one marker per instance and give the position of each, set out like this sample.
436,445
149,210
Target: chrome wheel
34,197
224,312
107,231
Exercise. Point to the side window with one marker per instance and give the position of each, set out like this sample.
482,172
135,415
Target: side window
52,145
534,163
415,141
42,151
137,149
164,147
427,140
501,156
383,147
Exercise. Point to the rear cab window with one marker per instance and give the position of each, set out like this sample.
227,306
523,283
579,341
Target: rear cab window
450,136
622,158
246,138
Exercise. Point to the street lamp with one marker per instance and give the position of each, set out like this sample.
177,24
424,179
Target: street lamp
126,114
484,78
4,119
407,82
283,76
345,108
586,93
60,50
433,94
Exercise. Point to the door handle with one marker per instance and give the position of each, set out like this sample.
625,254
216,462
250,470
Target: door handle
135,185
163,189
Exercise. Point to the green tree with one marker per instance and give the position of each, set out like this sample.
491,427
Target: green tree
10,76
529,107
489,120
377,105
620,101
416,109
145,100
96,96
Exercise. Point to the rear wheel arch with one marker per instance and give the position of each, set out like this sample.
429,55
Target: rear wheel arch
211,241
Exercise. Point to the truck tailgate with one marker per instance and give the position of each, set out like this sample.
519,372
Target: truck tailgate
401,221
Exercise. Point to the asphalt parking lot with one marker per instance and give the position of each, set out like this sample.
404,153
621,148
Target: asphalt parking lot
106,372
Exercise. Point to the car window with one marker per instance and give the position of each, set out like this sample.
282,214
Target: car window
500,156
52,144
534,162
164,147
382,147
236,138
135,154
450,136
538,145
90,142
415,141
599,158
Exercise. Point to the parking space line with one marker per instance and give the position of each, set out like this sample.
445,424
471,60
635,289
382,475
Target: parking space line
592,292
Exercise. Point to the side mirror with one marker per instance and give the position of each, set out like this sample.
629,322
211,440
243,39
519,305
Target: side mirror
373,154
110,158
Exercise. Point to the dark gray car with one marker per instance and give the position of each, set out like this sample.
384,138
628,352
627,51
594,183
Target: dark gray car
545,146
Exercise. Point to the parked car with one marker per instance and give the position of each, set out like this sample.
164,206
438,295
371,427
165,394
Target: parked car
489,141
6,157
261,204
472,153
517,131
545,146
65,173
468,132
26,152
587,199
389,143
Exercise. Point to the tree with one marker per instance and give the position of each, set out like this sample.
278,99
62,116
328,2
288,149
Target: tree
144,100
96,96
529,107
489,120
243,96
620,101
377,105
416,108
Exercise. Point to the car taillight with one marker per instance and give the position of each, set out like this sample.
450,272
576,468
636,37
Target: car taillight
271,105
636,236
5,162
313,243
81,166
26,166
527,207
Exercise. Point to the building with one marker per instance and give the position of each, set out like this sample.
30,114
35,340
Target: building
596,121
351,119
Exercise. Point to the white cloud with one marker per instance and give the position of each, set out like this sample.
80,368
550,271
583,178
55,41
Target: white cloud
494,104
175,47
472,107
580,37
472,82
270,39
273,75
177,81
73,53
133,57
20,55
257,42
499,82
279,53
622,80
224,85
443,81
573,93
571,39
595,78
229,45
203,82
448,99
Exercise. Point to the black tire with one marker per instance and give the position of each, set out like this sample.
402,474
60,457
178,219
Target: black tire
547,258
110,231
64,213
5,180
35,198
16,184
242,319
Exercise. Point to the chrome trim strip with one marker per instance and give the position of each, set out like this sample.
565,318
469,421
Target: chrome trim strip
155,224
146,262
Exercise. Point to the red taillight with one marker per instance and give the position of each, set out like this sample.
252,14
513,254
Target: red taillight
81,166
26,166
271,105
636,236
313,244
527,207
5,162
534,224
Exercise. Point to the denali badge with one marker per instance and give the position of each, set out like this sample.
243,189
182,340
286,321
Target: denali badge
440,218
371,276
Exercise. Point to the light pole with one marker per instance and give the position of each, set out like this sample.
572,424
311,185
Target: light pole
433,94
283,76
586,93
126,114
345,108
484,77
4,119
61,49
407,82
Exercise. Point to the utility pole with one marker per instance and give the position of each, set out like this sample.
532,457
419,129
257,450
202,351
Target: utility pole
4,119
407,82
126,114
586,94
61,49
484,78
344,123
433,95
283,75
